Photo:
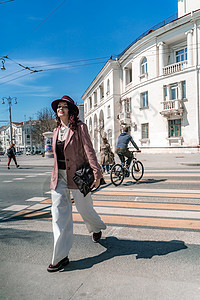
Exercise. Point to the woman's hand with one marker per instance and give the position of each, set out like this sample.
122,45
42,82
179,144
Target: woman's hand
95,184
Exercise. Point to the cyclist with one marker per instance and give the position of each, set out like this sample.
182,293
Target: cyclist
122,146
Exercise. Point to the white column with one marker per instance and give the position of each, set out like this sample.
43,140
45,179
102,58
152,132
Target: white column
124,79
189,47
161,57
198,46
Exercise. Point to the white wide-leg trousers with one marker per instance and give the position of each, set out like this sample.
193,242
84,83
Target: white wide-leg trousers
62,216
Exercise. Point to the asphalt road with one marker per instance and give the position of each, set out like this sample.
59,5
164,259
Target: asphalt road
150,249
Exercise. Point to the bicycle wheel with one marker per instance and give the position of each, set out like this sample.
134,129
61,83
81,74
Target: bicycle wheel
117,174
137,170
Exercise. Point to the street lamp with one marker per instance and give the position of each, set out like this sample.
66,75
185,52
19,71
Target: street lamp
9,99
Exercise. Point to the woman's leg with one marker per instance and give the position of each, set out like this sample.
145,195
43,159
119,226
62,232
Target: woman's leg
61,219
14,158
84,206
9,160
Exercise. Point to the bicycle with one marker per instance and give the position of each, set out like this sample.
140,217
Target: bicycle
120,171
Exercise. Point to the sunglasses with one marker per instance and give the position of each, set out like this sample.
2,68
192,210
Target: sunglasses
61,107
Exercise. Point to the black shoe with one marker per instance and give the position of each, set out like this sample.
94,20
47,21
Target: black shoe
8,168
96,236
17,166
54,268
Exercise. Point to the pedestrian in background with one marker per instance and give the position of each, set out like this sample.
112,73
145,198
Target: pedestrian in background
12,155
72,147
105,153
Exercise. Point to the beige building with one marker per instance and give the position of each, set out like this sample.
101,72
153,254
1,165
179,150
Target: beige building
153,87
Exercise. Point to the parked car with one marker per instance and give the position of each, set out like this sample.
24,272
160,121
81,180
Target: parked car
28,152
18,153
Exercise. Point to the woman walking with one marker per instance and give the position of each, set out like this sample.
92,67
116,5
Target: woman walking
72,148
105,152
12,155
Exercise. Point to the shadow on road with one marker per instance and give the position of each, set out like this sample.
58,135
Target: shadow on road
145,181
117,247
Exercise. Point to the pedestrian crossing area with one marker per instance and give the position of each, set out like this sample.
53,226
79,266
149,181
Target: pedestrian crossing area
128,210
137,205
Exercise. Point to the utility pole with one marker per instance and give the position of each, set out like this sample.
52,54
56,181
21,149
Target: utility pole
9,99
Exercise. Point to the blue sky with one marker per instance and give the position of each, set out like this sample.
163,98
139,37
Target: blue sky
37,33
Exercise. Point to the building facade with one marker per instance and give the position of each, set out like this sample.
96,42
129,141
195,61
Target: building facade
152,87
22,137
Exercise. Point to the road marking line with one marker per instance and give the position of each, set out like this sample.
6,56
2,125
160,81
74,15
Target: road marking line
39,206
18,178
127,189
48,192
147,222
6,181
47,201
36,199
31,176
168,195
146,212
171,174
30,214
163,206
16,207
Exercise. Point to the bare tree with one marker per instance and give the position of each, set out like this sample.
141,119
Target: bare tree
45,122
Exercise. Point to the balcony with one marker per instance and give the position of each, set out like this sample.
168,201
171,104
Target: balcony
172,108
125,118
173,68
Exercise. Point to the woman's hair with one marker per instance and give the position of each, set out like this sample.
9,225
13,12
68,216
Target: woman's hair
104,138
11,145
73,117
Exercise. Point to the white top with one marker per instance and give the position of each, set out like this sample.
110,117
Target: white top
62,134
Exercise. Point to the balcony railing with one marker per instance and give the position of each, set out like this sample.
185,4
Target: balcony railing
172,108
125,118
174,67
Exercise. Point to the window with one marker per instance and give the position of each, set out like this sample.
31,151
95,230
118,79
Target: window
128,105
174,91
95,98
184,89
108,111
90,102
174,128
128,74
108,87
145,130
144,100
181,55
144,66
101,91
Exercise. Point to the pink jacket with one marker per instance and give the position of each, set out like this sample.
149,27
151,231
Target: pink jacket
77,151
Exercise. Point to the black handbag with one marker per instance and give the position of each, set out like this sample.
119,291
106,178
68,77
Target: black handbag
84,178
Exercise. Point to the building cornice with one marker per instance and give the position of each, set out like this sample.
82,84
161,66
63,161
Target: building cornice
109,66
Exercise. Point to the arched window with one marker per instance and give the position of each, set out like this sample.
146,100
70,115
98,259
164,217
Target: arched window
144,66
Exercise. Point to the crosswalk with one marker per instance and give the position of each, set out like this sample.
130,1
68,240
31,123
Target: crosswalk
130,206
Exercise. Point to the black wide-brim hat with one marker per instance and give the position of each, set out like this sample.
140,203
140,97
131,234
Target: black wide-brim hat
70,102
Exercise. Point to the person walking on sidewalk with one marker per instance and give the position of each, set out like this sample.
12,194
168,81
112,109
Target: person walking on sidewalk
122,146
105,152
72,147
12,155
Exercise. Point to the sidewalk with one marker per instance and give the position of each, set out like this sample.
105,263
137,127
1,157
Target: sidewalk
150,161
